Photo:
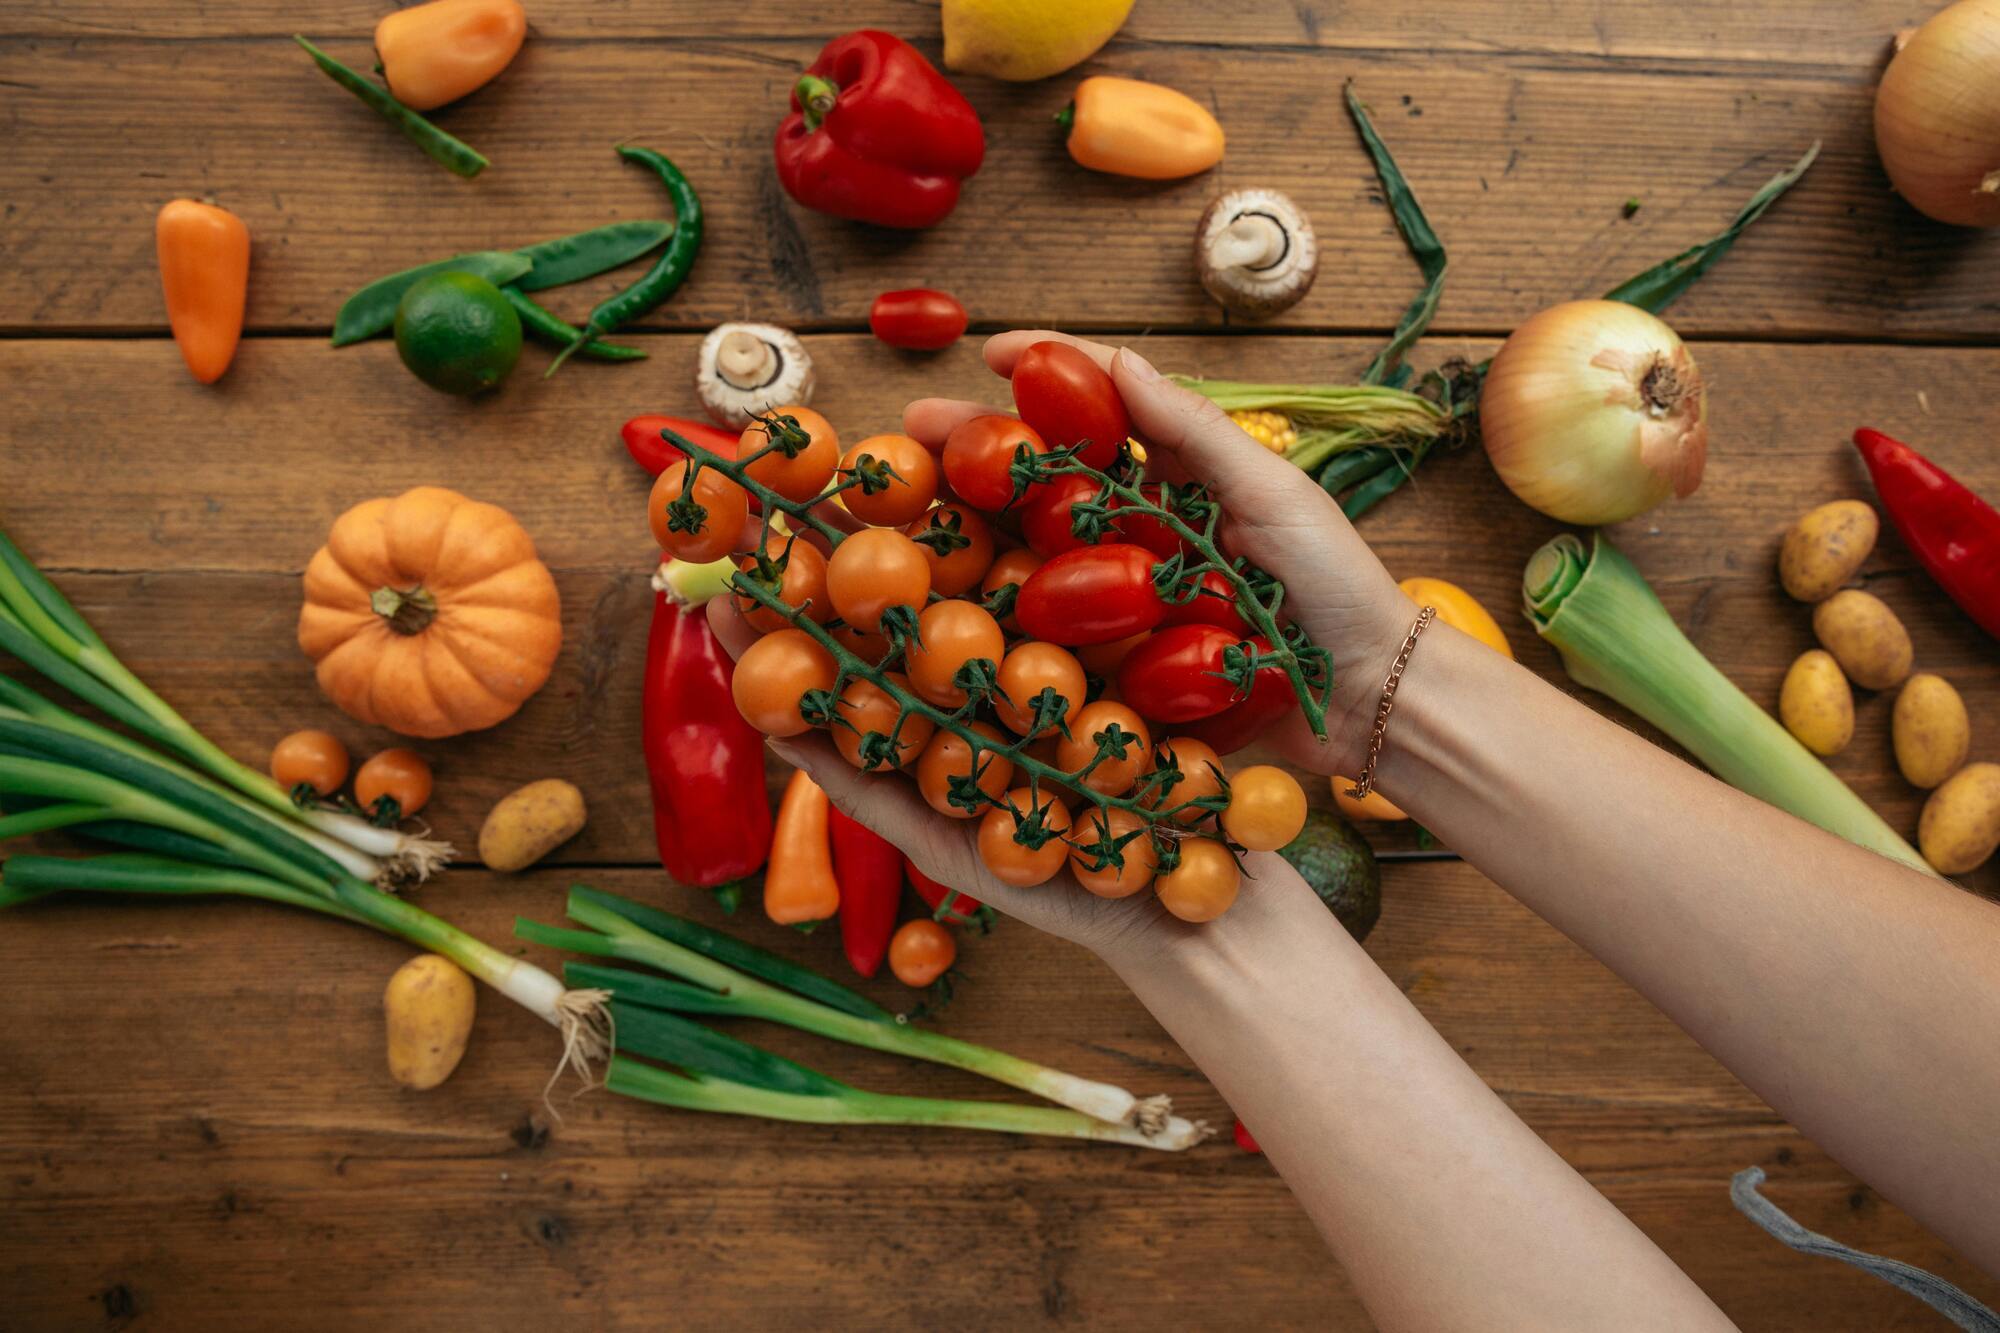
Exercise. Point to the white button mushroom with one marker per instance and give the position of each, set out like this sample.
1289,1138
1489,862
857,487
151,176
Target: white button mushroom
1255,253
748,369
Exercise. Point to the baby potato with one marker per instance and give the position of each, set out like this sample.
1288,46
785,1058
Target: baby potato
1825,547
1931,730
1865,637
428,1004
526,825
1815,704
1960,825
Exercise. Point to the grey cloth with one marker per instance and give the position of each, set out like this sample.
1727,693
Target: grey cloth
1933,1291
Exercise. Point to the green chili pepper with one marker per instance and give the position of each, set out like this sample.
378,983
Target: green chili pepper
452,154
550,328
586,254
668,271
1355,467
1383,484
373,309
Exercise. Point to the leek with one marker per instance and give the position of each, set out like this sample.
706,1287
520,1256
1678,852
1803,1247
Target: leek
1616,638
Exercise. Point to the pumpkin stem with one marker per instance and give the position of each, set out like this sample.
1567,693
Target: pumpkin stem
408,611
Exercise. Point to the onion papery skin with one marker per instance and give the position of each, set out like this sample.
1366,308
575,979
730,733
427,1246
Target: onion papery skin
1937,116
1594,411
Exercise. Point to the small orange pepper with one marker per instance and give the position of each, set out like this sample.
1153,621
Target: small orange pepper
1131,128
1374,806
799,885
205,273
1459,609
437,53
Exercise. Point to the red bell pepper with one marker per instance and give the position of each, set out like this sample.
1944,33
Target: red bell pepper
877,135
948,905
1952,531
711,813
869,870
653,453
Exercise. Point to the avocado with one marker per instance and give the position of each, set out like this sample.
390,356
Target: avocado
1341,868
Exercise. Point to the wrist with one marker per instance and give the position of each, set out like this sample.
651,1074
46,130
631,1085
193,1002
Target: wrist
1275,906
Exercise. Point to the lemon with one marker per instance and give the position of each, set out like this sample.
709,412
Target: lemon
1020,40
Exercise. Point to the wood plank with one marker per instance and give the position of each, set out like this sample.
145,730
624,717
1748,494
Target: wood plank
272,1137
1524,161
1793,31
190,569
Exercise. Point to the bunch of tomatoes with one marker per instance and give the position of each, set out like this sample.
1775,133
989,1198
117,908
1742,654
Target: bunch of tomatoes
1059,657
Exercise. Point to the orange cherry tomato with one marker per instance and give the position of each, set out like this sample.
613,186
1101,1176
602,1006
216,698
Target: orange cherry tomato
870,648
950,634
866,708
1026,672
774,674
921,951
803,475
873,570
1141,858
1267,808
801,585
960,568
910,490
1198,764
1009,567
313,759
1115,775
1203,885
716,531
1013,862
1104,659
399,775
948,756
979,459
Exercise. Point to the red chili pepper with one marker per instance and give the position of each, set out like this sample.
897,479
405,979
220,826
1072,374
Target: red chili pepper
869,870
1244,1141
711,814
1952,531
918,319
946,904
877,135
651,452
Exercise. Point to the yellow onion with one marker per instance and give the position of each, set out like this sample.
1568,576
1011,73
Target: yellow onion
1594,411
1937,116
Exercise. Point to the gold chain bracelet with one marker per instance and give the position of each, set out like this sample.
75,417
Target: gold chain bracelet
1366,782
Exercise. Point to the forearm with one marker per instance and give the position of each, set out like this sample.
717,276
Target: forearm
1856,996
1447,1211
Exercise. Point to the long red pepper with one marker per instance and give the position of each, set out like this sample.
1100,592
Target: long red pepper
946,904
651,452
711,814
869,870
1952,531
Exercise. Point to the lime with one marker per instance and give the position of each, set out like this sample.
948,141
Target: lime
458,333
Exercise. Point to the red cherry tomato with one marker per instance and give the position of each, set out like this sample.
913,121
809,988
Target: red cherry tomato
1214,605
979,457
1236,726
1070,400
1045,514
1174,676
1152,533
1094,594
918,318
651,452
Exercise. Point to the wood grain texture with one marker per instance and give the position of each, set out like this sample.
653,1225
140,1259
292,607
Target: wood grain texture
1524,161
270,1171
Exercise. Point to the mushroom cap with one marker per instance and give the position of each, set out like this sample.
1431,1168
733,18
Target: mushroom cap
1261,290
788,379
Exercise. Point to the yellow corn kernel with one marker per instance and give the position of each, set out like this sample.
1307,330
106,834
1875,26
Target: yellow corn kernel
1273,430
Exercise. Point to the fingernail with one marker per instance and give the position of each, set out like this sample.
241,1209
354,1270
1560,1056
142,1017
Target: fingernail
1138,366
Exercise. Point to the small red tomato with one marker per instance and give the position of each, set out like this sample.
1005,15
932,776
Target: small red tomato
1175,675
1094,594
1045,514
1069,400
1271,697
918,319
1153,533
979,458
1214,605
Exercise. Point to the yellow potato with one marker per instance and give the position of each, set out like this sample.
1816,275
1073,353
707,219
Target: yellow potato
1865,637
429,1004
1825,547
1960,825
528,824
1815,704
1931,730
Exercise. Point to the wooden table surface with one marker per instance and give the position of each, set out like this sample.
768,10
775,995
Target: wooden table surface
196,1129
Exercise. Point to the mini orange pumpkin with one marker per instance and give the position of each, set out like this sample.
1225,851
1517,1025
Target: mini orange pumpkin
429,614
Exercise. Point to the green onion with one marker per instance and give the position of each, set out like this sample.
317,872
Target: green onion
1616,638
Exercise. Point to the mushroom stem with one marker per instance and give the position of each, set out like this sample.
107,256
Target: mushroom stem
745,360
1252,241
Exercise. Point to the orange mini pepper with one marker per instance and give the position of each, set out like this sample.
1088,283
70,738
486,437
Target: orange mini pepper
1131,128
799,884
437,53
205,273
